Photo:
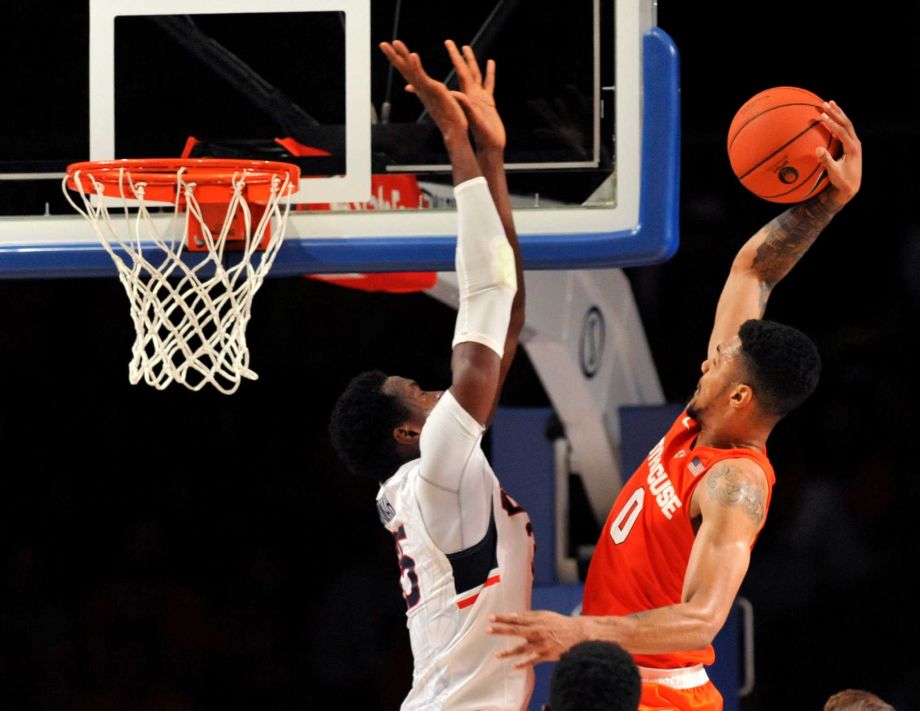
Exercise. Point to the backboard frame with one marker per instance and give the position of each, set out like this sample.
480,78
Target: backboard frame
641,228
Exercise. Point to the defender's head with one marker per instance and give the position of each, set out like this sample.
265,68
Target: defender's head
759,375
595,676
376,423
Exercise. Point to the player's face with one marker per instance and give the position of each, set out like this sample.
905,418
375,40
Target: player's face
719,374
419,402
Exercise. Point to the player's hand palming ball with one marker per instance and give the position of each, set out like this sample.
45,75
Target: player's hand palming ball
773,142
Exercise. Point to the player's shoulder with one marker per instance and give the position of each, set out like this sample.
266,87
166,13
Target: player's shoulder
744,472
737,483
742,464
449,415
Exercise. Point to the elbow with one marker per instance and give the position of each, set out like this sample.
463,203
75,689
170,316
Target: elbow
708,624
745,269
702,635
743,265
706,621
707,632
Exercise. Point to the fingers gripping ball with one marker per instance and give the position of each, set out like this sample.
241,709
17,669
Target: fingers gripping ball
772,144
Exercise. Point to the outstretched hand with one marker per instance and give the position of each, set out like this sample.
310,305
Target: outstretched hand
476,95
845,173
439,101
546,635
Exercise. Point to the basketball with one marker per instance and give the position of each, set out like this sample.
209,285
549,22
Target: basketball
772,144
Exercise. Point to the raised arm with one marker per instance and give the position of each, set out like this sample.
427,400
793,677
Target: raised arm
454,488
477,97
771,253
732,501
484,257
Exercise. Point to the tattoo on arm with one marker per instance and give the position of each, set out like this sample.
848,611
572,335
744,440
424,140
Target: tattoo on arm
734,487
790,235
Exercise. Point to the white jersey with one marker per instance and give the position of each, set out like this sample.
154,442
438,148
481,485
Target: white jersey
449,598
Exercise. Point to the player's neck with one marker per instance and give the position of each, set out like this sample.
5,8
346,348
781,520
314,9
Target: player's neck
733,437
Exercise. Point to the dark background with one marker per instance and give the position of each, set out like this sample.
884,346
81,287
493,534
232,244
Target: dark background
193,551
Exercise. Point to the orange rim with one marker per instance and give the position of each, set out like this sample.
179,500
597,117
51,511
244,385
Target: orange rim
159,175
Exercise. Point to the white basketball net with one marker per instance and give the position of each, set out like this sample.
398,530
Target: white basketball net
190,320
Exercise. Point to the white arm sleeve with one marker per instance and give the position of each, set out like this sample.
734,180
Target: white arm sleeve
454,489
486,275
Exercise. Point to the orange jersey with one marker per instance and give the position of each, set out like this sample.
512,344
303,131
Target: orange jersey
642,555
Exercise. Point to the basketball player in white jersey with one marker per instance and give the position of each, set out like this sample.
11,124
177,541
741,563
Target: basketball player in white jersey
465,549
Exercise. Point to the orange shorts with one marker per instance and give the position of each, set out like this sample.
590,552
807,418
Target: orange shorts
678,690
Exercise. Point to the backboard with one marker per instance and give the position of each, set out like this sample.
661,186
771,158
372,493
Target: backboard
589,93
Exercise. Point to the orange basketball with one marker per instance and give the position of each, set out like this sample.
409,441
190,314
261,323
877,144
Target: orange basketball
772,143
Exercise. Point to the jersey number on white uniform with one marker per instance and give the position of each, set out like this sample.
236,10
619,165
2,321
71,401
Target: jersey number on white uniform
408,578
626,519
513,509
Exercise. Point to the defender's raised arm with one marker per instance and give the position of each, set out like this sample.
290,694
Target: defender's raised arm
477,97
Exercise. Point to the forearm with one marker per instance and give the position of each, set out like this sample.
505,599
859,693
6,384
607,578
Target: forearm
492,163
780,244
765,259
675,628
486,290
463,163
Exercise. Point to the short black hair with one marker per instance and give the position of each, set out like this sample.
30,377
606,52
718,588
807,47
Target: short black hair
362,423
595,676
782,363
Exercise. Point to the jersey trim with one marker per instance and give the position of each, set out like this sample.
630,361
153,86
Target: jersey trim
467,601
471,567
685,678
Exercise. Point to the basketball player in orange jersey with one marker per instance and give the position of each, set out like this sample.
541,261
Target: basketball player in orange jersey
465,549
678,539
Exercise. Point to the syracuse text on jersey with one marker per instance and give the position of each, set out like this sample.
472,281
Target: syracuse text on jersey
659,484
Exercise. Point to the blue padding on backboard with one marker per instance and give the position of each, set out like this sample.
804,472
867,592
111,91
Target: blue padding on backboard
655,238
46,261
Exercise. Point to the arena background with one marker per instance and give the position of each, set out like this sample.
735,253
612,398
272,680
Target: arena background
193,551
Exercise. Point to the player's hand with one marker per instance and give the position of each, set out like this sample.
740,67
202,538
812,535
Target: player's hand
546,635
845,173
476,95
441,105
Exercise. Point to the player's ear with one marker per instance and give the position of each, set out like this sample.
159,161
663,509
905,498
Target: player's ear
741,396
406,434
